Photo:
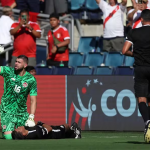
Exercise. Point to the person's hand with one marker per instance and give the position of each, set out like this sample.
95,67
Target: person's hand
22,22
42,0
29,27
30,122
136,7
54,49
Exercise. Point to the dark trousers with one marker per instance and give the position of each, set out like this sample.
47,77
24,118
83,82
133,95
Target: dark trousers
31,5
50,62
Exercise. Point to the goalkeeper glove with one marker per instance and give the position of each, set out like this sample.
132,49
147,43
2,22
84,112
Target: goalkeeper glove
30,122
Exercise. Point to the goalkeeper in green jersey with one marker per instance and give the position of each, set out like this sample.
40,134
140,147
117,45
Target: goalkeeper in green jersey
18,83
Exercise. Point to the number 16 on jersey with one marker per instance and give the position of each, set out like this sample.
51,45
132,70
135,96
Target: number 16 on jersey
17,89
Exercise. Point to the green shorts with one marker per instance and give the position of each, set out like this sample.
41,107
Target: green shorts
10,121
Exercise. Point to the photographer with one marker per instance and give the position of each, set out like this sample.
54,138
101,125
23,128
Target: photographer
25,34
134,15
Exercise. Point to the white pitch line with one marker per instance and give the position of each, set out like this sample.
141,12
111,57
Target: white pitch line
114,136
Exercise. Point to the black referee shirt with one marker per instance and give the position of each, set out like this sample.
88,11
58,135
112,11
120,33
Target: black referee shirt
140,38
36,132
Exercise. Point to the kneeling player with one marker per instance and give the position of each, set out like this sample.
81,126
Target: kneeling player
44,131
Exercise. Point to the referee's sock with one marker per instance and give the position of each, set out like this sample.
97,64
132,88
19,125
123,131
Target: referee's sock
144,111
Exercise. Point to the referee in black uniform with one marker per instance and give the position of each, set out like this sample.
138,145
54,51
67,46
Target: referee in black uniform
140,38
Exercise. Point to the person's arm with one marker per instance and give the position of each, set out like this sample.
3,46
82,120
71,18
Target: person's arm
48,46
49,128
102,5
5,71
47,54
15,30
126,47
64,43
33,94
136,8
129,41
13,5
30,122
98,1
33,104
34,32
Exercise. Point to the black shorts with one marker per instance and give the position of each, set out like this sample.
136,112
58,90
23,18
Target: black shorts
142,81
58,132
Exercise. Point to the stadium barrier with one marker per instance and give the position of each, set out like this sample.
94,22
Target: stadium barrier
95,102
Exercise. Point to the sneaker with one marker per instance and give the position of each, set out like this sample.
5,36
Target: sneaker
78,133
147,132
74,126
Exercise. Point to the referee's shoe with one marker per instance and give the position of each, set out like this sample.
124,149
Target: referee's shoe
147,132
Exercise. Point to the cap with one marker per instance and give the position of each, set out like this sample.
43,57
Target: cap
129,3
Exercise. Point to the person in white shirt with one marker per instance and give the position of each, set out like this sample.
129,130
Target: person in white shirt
5,26
113,14
134,15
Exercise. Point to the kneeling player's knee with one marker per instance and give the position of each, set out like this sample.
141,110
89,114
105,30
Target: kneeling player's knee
7,136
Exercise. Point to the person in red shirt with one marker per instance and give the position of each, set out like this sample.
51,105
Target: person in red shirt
10,3
25,33
55,56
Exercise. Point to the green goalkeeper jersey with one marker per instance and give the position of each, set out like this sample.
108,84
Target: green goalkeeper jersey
16,90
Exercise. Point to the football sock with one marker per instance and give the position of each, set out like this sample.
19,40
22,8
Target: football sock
144,111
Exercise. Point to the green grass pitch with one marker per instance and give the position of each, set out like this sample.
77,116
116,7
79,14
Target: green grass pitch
90,141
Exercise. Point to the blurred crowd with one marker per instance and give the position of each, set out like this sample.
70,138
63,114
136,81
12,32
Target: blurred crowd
119,16
38,6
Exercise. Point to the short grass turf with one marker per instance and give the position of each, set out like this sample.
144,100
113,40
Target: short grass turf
90,141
